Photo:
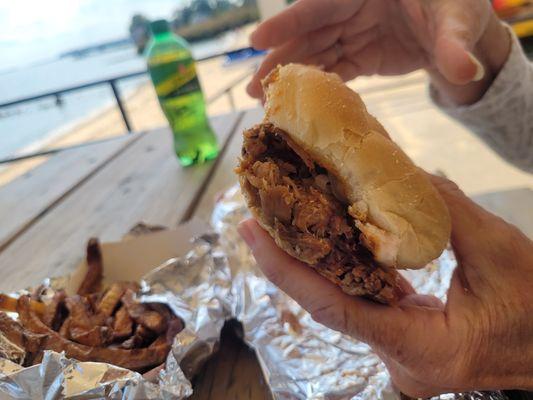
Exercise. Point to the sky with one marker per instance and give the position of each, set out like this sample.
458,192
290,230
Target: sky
39,30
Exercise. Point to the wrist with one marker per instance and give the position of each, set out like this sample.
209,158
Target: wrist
492,50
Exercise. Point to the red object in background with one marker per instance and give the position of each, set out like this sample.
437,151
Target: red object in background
500,5
517,13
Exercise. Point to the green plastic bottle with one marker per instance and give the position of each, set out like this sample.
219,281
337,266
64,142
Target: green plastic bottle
173,74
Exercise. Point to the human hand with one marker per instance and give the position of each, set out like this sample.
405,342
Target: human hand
481,339
458,42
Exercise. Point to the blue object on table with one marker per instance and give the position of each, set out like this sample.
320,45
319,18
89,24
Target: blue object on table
240,55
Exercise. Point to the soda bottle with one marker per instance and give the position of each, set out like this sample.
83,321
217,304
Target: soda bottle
173,74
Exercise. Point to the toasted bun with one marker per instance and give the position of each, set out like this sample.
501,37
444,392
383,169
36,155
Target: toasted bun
403,219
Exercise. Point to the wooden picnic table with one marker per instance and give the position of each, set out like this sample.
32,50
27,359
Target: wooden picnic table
104,189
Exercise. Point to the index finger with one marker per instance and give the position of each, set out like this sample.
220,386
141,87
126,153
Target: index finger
300,18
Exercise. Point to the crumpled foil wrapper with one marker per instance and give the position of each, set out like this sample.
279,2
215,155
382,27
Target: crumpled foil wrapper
300,358
216,280
58,377
194,287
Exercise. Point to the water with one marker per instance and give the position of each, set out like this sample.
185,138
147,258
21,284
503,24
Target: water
28,126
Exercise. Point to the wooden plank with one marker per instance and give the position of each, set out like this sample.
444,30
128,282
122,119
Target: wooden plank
32,194
144,183
234,372
191,211
224,176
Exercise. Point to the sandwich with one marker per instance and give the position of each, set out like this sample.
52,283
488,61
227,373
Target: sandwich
322,177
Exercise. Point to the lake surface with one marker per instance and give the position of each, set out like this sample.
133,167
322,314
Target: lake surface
25,127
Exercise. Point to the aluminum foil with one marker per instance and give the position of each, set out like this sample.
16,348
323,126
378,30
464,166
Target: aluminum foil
300,358
195,287
58,377
217,280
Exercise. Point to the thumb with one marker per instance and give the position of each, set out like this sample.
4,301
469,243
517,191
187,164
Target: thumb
455,37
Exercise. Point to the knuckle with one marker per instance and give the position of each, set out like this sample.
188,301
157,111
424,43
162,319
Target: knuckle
447,187
464,34
452,188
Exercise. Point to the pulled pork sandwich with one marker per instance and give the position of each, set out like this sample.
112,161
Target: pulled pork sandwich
321,175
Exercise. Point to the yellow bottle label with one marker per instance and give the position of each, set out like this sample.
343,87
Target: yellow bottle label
165,58
184,75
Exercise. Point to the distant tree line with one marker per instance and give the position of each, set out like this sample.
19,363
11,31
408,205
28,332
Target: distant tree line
199,20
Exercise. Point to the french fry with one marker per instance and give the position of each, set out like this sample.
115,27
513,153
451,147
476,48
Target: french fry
64,330
110,299
136,360
141,336
161,309
93,279
85,328
141,314
78,308
94,299
15,333
109,326
175,326
9,304
54,312
122,325
95,336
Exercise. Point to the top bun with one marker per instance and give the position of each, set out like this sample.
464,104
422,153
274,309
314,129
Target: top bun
402,218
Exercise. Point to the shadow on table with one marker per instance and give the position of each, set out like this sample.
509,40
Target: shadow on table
233,373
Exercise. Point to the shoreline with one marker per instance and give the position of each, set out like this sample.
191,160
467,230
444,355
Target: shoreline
143,110
64,135
65,129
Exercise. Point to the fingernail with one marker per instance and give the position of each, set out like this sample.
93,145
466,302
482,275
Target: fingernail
246,233
480,70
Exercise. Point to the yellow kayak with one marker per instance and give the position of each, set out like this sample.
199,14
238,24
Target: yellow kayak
523,28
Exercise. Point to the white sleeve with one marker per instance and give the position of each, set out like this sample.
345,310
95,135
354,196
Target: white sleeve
503,117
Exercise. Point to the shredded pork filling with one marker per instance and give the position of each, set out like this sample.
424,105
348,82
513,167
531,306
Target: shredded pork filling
301,200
